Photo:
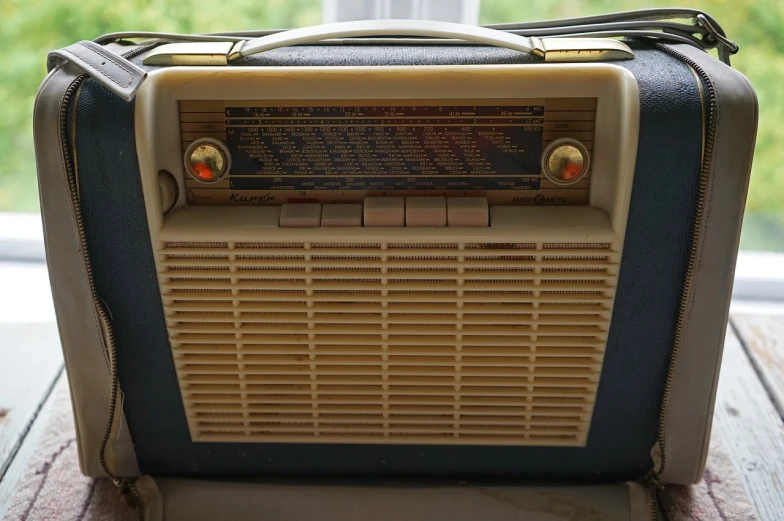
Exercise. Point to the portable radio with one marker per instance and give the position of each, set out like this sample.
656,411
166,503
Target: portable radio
432,264
362,250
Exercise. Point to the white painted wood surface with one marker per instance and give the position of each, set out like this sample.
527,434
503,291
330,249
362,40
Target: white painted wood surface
25,294
751,430
763,339
18,466
30,359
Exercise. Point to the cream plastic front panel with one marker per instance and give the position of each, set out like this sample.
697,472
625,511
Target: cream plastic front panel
489,335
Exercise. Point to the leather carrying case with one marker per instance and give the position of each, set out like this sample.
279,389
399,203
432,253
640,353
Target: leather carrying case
652,418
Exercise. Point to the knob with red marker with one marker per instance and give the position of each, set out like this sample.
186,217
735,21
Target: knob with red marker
207,160
565,161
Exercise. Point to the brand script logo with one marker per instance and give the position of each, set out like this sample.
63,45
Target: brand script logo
540,199
251,199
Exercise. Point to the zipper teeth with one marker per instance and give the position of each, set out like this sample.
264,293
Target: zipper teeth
123,484
654,504
710,135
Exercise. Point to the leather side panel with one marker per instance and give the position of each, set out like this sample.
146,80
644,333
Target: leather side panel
690,410
79,327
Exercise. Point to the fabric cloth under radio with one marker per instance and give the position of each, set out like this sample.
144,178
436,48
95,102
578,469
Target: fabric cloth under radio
624,425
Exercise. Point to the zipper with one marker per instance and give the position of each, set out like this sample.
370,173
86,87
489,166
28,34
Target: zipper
127,486
705,168
652,490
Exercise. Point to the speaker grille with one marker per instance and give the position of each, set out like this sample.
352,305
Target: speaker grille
442,343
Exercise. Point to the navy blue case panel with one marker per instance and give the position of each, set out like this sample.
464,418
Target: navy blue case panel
624,424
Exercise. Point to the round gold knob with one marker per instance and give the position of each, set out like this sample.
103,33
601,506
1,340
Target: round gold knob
565,161
207,160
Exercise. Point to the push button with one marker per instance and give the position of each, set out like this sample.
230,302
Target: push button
467,211
385,211
300,215
425,211
341,215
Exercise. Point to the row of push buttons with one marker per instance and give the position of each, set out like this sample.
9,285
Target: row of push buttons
389,211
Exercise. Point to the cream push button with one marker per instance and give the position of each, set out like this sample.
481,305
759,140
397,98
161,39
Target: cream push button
385,211
467,212
341,215
425,211
302,215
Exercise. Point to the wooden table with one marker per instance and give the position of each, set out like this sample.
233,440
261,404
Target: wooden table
749,407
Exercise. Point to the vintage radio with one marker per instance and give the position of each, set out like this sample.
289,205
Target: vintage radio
394,257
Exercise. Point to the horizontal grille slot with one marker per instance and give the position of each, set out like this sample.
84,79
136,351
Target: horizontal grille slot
392,318
364,284
250,307
411,251
300,295
389,327
452,275
543,353
435,438
354,400
392,262
393,410
249,360
327,420
397,342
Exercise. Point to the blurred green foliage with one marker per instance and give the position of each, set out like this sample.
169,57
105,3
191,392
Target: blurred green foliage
757,26
30,28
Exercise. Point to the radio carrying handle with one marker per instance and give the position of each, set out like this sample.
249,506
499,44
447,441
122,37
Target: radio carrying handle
557,49
360,28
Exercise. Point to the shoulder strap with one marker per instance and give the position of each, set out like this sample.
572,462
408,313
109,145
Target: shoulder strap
701,31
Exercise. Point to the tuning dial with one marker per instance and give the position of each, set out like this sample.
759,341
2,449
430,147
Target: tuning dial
565,161
169,191
207,160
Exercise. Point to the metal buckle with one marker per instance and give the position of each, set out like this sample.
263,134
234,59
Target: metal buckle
716,38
